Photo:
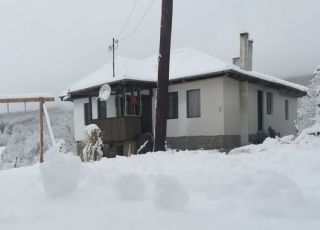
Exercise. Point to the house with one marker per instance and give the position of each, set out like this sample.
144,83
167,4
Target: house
212,104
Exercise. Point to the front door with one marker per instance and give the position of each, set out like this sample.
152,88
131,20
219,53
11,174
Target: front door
146,114
260,110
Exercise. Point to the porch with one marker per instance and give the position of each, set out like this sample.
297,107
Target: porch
119,129
126,115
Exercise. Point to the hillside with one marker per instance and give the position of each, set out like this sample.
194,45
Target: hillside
302,80
19,136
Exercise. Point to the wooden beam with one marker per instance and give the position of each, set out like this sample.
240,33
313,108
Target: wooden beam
25,100
41,131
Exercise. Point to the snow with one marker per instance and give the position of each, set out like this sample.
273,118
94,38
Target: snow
274,185
184,62
2,148
91,129
56,176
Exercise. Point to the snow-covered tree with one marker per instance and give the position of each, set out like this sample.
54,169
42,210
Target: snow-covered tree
316,85
309,105
93,144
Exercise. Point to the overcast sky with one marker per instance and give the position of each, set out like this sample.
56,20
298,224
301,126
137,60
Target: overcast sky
48,44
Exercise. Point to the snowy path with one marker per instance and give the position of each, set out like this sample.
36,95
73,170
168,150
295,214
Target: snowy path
276,187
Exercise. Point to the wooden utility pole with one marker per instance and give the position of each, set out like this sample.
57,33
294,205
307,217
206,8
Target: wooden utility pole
113,57
163,76
112,48
41,131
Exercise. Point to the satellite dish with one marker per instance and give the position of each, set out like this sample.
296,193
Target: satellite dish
104,92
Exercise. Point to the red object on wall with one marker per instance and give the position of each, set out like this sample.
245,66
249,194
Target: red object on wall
134,101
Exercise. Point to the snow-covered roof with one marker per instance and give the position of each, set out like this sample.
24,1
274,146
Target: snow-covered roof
26,95
184,62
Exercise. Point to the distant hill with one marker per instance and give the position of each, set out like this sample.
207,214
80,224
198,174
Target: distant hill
302,80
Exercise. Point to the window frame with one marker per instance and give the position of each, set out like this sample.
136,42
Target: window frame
99,111
87,109
269,103
286,109
189,91
175,106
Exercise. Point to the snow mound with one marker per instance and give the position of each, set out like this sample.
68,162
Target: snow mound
307,135
269,143
6,218
276,186
279,191
169,194
130,187
60,173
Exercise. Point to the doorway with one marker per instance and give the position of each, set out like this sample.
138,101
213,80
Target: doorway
260,110
146,114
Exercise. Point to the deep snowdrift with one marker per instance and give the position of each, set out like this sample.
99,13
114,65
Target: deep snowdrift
270,186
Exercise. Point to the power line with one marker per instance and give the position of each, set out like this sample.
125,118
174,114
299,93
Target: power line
128,18
139,24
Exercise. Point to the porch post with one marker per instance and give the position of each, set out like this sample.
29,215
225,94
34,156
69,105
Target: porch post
41,131
124,102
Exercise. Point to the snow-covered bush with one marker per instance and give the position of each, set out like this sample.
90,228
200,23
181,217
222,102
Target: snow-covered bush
93,144
309,105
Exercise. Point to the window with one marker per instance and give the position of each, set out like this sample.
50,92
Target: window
87,113
119,106
173,105
269,103
102,109
286,109
193,103
132,105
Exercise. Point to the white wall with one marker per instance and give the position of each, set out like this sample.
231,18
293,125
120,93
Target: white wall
211,120
231,105
79,125
277,119
220,110
111,107
94,107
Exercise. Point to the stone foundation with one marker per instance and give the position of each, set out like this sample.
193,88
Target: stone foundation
204,142
257,138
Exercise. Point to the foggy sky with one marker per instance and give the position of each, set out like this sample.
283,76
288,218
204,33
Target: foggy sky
48,44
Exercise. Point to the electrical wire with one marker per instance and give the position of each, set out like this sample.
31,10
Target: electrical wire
128,18
139,24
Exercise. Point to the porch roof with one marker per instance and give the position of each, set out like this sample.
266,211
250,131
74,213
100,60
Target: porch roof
185,64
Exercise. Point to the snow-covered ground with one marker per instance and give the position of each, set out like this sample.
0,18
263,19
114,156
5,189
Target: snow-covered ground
275,185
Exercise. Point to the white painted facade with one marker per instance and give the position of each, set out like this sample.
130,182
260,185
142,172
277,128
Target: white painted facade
220,110
78,113
277,119
211,121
